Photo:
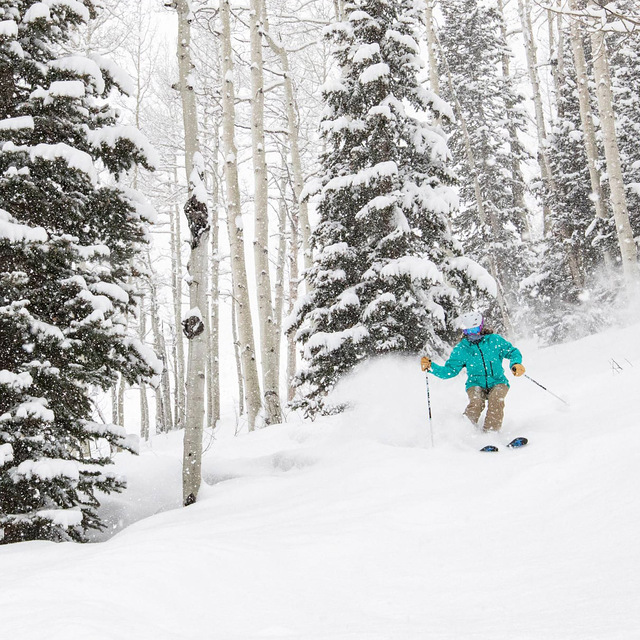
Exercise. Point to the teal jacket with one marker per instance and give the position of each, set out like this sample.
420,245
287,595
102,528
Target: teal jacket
482,359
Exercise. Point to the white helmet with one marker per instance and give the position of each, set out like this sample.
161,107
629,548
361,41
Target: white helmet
471,320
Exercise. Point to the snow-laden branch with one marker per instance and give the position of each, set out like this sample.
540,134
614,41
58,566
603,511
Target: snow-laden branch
605,17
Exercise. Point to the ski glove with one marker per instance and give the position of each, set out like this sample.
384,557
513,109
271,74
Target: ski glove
517,369
425,363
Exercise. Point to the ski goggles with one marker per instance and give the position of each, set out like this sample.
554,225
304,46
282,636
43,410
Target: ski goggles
472,332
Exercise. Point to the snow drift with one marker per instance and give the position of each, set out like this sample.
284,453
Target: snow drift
353,527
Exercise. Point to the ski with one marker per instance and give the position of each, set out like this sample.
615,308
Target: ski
514,444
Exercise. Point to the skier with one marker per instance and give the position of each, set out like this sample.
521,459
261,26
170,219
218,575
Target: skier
481,351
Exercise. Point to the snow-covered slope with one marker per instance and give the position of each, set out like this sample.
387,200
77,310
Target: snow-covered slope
354,527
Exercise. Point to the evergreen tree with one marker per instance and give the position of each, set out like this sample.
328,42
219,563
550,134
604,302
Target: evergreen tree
493,231
67,239
387,275
566,293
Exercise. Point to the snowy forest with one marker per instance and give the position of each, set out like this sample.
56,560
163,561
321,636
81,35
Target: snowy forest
214,212
230,233
227,206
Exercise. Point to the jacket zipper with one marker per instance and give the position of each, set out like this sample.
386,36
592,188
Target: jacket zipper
484,364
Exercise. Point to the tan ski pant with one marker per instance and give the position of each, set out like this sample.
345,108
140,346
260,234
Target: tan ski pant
495,411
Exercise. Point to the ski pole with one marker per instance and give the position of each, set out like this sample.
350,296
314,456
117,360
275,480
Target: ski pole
545,388
429,405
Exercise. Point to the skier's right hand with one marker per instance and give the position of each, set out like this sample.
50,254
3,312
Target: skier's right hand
425,363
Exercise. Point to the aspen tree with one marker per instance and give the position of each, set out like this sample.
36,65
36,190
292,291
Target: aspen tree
144,400
269,357
564,293
198,219
516,168
586,115
137,53
624,61
209,68
176,291
237,354
280,263
213,411
114,403
434,79
524,11
628,250
293,296
556,53
164,418
122,386
250,378
291,105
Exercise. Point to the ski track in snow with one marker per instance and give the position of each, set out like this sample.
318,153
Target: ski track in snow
354,528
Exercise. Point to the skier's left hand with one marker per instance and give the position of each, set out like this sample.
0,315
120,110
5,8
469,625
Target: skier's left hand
517,369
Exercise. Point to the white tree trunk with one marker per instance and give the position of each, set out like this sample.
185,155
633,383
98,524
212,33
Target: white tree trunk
196,368
213,411
144,413
280,264
121,389
524,11
176,289
434,78
269,356
196,211
234,219
560,51
144,401
586,115
137,55
238,355
628,250
516,170
556,55
294,142
114,403
293,296
338,8
163,392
